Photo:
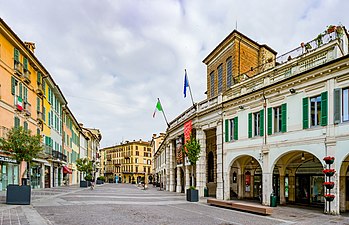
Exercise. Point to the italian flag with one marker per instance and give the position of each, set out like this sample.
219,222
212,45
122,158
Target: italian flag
158,107
19,103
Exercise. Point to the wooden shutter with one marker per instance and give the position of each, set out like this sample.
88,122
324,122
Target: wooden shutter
17,122
13,86
44,113
337,106
250,125
284,117
270,121
25,63
25,94
236,130
324,108
25,125
16,55
38,104
305,113
261,128
39,78
20,90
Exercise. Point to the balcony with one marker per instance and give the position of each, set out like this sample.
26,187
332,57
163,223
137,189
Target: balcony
27,108
59,155
27,76
48,150
40,117
40,91
18,69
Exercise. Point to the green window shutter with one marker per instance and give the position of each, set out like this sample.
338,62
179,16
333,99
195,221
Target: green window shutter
38,131
324,108
44,114
25,94
13,86
44,87
305,113
270,121
236,130
25,63
39,78
17,122
49,118
261,128
250,125
38,104
284,117
226,130
16,55
25,125
20,90
337,105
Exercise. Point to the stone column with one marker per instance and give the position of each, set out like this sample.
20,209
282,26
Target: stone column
42,178
241,183
187,176
172,169
179,184
201,163
61,178
167,156
219,143
282,190
267,176
55,171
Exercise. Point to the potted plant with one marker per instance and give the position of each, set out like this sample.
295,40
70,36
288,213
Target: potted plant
331,28
329,159
85,166
319,40
21,145
100,180
192,150
329,172
339,31
329,184
329,197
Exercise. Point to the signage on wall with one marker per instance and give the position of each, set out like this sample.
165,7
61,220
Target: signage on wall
7,159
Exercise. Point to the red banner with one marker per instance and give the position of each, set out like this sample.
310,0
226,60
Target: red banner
187,130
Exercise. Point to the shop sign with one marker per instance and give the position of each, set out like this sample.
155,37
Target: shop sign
7,159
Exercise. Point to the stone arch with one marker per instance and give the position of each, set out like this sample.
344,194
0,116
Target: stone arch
297,178
245,177
343,183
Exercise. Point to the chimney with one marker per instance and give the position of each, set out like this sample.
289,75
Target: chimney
30,46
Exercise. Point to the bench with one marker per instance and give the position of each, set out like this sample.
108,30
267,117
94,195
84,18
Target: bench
259,209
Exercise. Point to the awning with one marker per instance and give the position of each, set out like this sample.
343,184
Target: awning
66,170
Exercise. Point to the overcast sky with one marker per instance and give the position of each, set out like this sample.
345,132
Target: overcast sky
113,59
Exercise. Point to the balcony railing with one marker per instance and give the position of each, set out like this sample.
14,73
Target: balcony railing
40,116
18,68
48,150
27,108
59,155
40,91
27,76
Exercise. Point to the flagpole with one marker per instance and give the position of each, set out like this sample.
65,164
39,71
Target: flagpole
168,125
191,95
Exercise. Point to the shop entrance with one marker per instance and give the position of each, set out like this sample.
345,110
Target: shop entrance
298,178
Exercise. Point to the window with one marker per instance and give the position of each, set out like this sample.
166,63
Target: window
277,119
212,84
229,64
220,78
318,111
345,104
256,124
17,122
315,110
136,160
231,129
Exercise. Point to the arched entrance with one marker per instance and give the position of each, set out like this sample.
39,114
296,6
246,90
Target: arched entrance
298,178
344,185
246,178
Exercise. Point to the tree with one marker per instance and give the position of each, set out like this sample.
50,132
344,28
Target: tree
192,150
21,145
86,166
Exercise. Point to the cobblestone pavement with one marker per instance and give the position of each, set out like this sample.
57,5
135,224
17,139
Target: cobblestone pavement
128,204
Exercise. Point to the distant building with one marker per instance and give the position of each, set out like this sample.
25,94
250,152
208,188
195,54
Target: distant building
129,162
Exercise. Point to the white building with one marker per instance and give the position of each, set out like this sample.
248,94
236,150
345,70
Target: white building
267,129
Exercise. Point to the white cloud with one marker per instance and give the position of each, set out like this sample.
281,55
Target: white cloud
113,59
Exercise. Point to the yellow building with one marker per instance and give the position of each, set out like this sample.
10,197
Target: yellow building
129,162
